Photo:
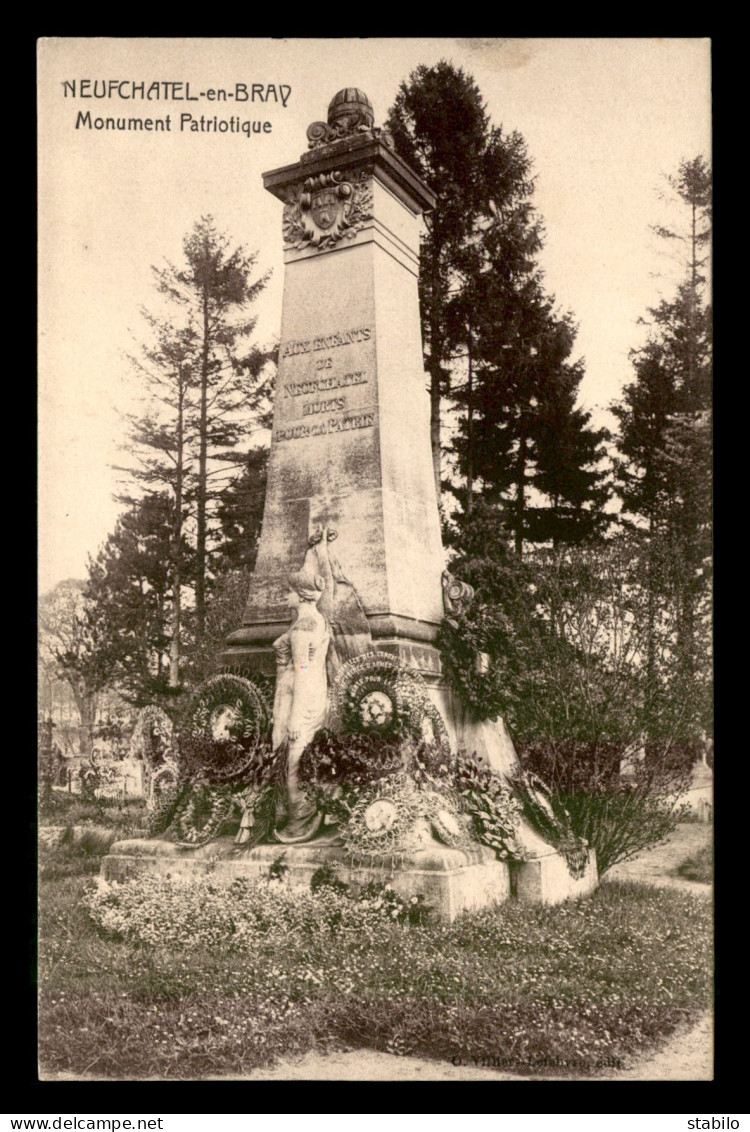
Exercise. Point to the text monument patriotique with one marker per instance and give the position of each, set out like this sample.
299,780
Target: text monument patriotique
351,541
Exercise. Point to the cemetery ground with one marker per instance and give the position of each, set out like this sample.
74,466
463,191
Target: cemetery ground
227,982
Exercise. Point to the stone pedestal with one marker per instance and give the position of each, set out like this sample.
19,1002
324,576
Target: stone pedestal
450,881
546,879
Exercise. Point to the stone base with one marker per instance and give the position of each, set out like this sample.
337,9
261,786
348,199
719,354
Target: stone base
451,881
246,654
547,880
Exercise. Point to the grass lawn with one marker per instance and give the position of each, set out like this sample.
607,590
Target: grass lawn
582,983
128,819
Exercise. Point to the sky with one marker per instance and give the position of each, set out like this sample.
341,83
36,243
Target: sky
604,120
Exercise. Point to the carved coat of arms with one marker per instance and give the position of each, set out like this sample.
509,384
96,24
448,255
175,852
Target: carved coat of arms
326,209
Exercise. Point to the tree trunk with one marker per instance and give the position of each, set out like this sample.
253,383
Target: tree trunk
434,367
651,747
200,549
86,704
435,432
689,563
520,488
469,431
174,645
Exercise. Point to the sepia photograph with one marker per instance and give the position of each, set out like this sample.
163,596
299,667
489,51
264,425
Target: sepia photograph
375,664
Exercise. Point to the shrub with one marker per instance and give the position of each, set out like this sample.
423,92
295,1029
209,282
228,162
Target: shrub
278,867
326,877
699,867
584,673
200,912
618,816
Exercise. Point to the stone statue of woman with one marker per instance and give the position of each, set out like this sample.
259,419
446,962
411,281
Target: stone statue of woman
300,701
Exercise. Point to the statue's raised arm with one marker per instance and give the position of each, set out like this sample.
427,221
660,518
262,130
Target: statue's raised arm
340,602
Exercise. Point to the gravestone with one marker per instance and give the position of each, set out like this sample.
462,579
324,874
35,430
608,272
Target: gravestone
351,461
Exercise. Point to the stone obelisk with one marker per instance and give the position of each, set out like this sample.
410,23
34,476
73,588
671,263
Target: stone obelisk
350,448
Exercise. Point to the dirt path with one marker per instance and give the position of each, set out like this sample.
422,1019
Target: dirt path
655,865
687,1056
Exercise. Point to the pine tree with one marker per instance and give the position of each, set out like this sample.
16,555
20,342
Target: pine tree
207,388
568,470
240,514
664,442
528,449
130,588
214,288
441,128
161,444
493,345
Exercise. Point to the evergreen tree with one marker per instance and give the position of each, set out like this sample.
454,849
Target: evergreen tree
664,441
214,289
531,452
441,128
493,344
130,588
240,514
674,367
207,388
161,444
568,469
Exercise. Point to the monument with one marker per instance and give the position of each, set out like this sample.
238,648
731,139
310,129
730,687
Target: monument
351,542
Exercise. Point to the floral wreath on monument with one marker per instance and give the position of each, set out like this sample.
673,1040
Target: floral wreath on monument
385,769
552,820
374,694
224,754
384,766
381,769
152,736
152,743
